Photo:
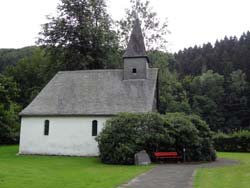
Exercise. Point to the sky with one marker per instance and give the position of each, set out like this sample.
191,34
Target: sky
191,22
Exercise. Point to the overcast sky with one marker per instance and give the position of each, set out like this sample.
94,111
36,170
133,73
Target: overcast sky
191,22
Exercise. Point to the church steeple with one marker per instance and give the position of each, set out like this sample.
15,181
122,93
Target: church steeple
136,46
135,58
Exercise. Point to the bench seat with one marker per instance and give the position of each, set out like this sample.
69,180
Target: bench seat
167,155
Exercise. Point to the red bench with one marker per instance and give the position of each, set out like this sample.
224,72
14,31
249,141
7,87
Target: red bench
167,155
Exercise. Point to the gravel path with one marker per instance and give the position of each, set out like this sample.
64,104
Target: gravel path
173,175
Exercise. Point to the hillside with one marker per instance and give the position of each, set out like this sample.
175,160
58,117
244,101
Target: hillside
12,56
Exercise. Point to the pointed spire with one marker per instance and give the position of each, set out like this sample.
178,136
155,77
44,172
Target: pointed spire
136,46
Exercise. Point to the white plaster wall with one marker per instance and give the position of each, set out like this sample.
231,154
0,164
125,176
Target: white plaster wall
67,136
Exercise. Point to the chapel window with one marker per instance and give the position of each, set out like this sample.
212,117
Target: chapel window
46,127
94,128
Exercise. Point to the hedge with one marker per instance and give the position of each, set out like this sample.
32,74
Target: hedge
235,142
127,134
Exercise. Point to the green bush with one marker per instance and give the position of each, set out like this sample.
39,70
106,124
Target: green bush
193,134
235,142
127,134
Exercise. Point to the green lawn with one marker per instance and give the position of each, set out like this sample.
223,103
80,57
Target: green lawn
60,172
226,177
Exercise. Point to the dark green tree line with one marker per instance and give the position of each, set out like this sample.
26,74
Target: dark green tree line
9,57
225,56
225,106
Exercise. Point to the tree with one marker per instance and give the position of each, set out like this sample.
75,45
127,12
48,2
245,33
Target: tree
224,57
79,37
8,111
153,30
236,110
172,96
209,84
30,74
9,57
206,93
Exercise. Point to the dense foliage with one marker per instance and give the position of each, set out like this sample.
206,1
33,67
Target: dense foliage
80,36
173,97
31,74
234,142
127,134
9,57
193,134
216,79
9,129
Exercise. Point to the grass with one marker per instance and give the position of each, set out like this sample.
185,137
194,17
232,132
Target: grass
229,177
63,172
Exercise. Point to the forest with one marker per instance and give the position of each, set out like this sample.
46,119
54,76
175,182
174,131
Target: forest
211,81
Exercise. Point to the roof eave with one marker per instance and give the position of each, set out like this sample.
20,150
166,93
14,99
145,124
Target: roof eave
64,115
136,57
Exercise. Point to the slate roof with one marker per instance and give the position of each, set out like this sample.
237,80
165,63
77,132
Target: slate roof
136,46
94,92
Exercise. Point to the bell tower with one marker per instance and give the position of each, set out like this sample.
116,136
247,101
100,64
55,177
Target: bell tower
135,60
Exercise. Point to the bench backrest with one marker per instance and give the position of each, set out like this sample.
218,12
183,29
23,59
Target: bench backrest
162,154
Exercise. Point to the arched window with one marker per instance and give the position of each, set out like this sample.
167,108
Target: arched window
94,128
46,127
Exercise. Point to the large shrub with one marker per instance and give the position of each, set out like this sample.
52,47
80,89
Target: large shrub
235,142
193,134
127,134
